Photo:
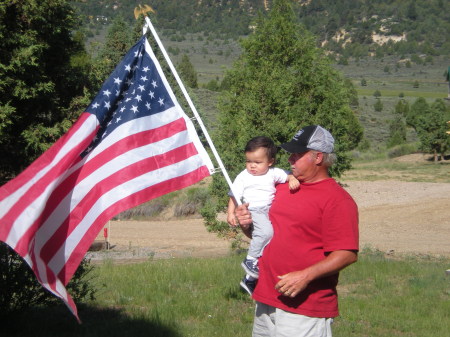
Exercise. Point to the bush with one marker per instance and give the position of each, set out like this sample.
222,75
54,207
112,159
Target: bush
20,290
378,106
402,150
191,203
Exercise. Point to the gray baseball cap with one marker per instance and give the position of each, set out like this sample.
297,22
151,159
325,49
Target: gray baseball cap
312,137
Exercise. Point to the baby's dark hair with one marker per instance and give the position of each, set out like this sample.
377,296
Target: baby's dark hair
264,142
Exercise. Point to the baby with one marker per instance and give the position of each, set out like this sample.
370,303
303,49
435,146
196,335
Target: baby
256,186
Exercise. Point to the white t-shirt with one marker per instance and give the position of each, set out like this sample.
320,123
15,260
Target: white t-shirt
258,191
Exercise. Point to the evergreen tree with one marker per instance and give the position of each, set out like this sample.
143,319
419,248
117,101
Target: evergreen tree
397,131
432,127
280,83
117,43
378,106
187,72
402,108
43,66
418,108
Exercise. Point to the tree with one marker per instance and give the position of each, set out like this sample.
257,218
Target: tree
43,67
397,131
378,106
432,128
418,108
187,72
117,43
280,83
402,108
20,290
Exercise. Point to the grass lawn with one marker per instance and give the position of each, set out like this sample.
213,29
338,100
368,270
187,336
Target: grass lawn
379,297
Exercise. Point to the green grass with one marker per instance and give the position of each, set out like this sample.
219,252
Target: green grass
379,297
383,168
408,93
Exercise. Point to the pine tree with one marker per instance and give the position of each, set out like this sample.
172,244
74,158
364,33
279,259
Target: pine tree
280,83
187,72
432,127
43,66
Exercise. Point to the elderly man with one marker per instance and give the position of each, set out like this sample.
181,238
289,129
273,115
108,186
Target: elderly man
315,236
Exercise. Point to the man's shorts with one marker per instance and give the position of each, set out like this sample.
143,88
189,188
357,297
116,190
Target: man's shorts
273,322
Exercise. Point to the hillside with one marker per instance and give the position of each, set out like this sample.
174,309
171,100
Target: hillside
389,44
350,28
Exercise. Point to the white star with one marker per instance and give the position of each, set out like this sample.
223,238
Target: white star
104,135
106,92
128,99
122,109
107,105
145,69
134,109
138,98
154,84
147,104
129,82
152,94
118,119
161,101
144,78
95,105
117,93
127,67
141,88
117,80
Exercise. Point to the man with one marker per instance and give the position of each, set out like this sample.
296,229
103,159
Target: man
315,236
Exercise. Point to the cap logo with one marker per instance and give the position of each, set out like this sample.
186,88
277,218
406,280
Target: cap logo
298,134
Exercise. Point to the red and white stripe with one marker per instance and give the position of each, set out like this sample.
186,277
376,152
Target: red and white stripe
51,213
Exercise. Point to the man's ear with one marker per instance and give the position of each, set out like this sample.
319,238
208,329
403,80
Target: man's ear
318,158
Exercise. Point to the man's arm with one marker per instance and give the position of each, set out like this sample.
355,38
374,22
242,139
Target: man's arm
291,284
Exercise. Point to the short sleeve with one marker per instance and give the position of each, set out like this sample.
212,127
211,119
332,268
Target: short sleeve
340,226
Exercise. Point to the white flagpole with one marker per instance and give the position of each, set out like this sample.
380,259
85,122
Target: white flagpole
191,105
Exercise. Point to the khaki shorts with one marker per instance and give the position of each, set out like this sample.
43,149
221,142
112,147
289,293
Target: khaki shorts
273,322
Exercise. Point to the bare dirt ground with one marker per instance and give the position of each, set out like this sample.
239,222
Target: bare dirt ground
395,217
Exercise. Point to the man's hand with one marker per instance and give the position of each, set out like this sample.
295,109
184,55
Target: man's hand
244,218
291,284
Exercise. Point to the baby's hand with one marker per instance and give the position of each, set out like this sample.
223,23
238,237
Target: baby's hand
294,184
231,219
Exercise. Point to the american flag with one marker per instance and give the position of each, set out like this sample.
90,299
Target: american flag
134,143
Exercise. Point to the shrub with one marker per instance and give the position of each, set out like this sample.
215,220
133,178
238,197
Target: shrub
378,106
191,203
402,150
20,290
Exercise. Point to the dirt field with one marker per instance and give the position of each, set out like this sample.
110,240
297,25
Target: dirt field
395,217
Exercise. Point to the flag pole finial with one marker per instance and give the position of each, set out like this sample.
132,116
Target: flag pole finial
142,10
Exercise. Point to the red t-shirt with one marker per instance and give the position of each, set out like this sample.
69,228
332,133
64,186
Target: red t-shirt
318,218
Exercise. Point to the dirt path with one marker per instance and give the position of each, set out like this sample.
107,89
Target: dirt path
395,217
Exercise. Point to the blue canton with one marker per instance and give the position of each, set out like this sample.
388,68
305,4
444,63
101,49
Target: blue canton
135,89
